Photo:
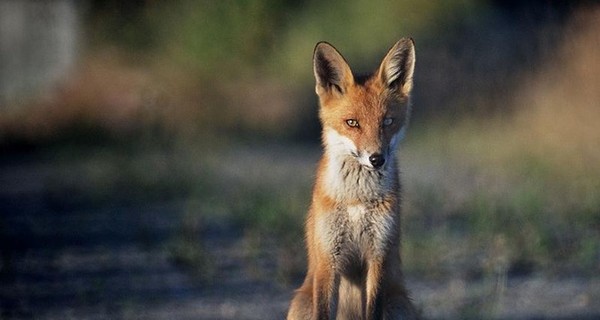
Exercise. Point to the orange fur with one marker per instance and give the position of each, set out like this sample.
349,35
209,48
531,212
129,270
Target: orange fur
353,224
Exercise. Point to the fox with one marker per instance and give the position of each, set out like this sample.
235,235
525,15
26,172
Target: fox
352,229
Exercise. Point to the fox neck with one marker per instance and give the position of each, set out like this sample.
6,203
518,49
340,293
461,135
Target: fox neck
346,180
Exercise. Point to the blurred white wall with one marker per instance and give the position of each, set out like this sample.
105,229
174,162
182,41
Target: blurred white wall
38,46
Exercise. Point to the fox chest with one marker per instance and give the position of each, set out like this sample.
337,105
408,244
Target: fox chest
354,234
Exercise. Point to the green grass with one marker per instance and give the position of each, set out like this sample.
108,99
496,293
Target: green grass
496,201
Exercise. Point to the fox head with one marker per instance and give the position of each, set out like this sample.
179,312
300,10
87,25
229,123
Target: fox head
364,117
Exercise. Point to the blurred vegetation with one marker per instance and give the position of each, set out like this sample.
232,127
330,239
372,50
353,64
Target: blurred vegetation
198,67
500,166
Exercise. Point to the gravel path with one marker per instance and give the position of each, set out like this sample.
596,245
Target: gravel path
113,262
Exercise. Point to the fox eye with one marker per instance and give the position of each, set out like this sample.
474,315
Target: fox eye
352,123
387,121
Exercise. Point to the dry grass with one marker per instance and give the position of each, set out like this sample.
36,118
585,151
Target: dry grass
518,193
110,95
104,92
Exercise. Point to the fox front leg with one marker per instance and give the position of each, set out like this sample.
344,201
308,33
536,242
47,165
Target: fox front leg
374,309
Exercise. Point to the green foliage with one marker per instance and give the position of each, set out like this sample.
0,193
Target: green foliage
232,37
220,36
360,29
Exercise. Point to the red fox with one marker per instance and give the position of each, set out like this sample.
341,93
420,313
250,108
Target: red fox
353,224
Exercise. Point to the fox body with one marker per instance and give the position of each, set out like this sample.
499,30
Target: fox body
353,224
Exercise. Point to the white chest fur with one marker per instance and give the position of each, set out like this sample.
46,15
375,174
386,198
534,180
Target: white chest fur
355,212
357,232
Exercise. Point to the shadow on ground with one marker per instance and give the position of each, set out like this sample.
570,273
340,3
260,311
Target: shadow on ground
66,254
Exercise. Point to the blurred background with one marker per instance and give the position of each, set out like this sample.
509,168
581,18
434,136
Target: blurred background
156,157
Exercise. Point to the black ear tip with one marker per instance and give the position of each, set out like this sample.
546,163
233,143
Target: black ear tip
406,42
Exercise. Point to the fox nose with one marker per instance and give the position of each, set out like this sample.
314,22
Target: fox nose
377,160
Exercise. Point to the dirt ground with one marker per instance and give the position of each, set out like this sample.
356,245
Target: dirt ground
72,261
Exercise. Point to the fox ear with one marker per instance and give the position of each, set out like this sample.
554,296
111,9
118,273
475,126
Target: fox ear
396,70
331,69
